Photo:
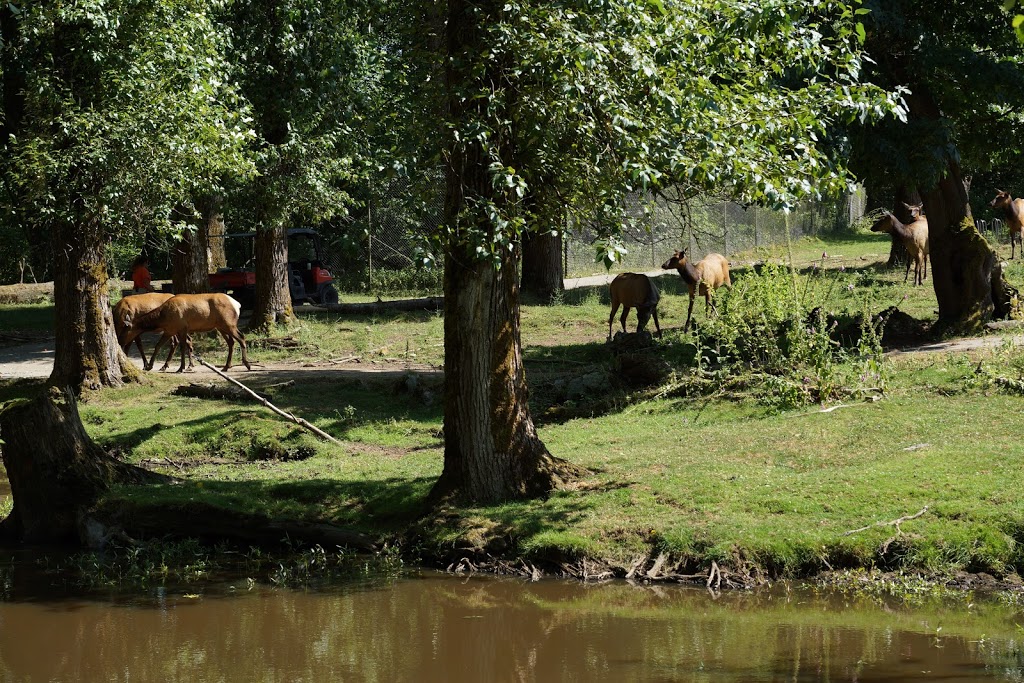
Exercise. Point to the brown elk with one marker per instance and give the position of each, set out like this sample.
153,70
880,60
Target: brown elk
128,309
634,290
913,235
183,314
704,277
1014,210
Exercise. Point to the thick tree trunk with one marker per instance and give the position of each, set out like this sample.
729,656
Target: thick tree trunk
492,451
273,300
542,264
189,261
56,471
87,355
212,229
962,261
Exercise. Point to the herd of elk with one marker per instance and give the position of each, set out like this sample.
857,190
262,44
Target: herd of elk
636,290
178,317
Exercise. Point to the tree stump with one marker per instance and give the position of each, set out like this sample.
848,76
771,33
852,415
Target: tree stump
56,471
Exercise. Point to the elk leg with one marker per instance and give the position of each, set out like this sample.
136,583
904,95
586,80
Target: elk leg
689,314
907,274
156,349
241,344
615,309
231,350
622,319
654,314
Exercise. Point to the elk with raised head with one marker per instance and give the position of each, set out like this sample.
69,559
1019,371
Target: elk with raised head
703,278
634,290
1014,211
913,235
184,314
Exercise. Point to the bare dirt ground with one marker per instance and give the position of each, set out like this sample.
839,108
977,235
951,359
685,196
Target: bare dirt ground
30,355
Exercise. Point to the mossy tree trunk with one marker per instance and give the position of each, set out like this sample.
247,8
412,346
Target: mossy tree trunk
189,260
86,353
56,471
273,300
492,451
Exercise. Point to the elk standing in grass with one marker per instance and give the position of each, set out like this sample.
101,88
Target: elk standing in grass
1014,210
913,235
634,290
188,313
704,277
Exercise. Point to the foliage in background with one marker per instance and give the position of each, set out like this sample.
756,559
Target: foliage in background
128,110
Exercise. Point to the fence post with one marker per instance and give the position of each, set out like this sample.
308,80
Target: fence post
369,245
725,228
756,218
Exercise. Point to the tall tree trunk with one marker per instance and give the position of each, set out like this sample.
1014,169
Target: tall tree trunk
212,227
492,451
56,471
87,355
273,300
190,269
543,275
962,261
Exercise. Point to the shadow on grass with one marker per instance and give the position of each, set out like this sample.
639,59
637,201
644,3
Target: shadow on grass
31,317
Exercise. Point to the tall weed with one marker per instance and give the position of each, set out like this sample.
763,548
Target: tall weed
776,327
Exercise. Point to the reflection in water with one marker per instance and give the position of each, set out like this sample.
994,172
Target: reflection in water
439,628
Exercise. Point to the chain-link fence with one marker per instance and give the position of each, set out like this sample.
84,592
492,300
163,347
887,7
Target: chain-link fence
393,227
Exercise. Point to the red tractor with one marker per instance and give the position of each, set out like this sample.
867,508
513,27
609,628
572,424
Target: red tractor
309,279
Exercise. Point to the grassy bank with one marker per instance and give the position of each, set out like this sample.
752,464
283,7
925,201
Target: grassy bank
701,463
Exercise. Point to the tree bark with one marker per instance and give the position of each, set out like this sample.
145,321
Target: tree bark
273,300
213,231
56,471
86,353
962,261
492,451
543,276
190,268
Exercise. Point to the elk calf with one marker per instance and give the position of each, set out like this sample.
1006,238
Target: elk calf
1014,211
634,290
914,236
183,314
704,277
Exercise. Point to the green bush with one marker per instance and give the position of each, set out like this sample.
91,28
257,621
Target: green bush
776,327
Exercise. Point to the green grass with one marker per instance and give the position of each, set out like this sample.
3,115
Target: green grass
704,476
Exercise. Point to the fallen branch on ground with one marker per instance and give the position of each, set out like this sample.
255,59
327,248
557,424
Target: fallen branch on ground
297,420
896,522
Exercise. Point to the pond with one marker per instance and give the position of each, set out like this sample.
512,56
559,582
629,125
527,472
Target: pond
434,627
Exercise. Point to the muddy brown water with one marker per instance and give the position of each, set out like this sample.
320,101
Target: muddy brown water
433,627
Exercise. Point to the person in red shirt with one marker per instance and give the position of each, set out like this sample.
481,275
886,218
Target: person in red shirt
141,279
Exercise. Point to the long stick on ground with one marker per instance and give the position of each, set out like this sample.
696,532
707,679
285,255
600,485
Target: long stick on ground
297,420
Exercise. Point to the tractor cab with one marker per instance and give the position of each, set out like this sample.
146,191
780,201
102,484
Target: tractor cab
309,278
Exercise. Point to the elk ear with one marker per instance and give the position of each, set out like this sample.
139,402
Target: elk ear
1000,191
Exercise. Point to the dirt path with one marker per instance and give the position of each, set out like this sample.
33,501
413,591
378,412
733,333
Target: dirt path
35,360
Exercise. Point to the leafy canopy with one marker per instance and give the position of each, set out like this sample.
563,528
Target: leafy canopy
588,100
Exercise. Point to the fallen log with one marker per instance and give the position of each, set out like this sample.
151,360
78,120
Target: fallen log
288,416
430,303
